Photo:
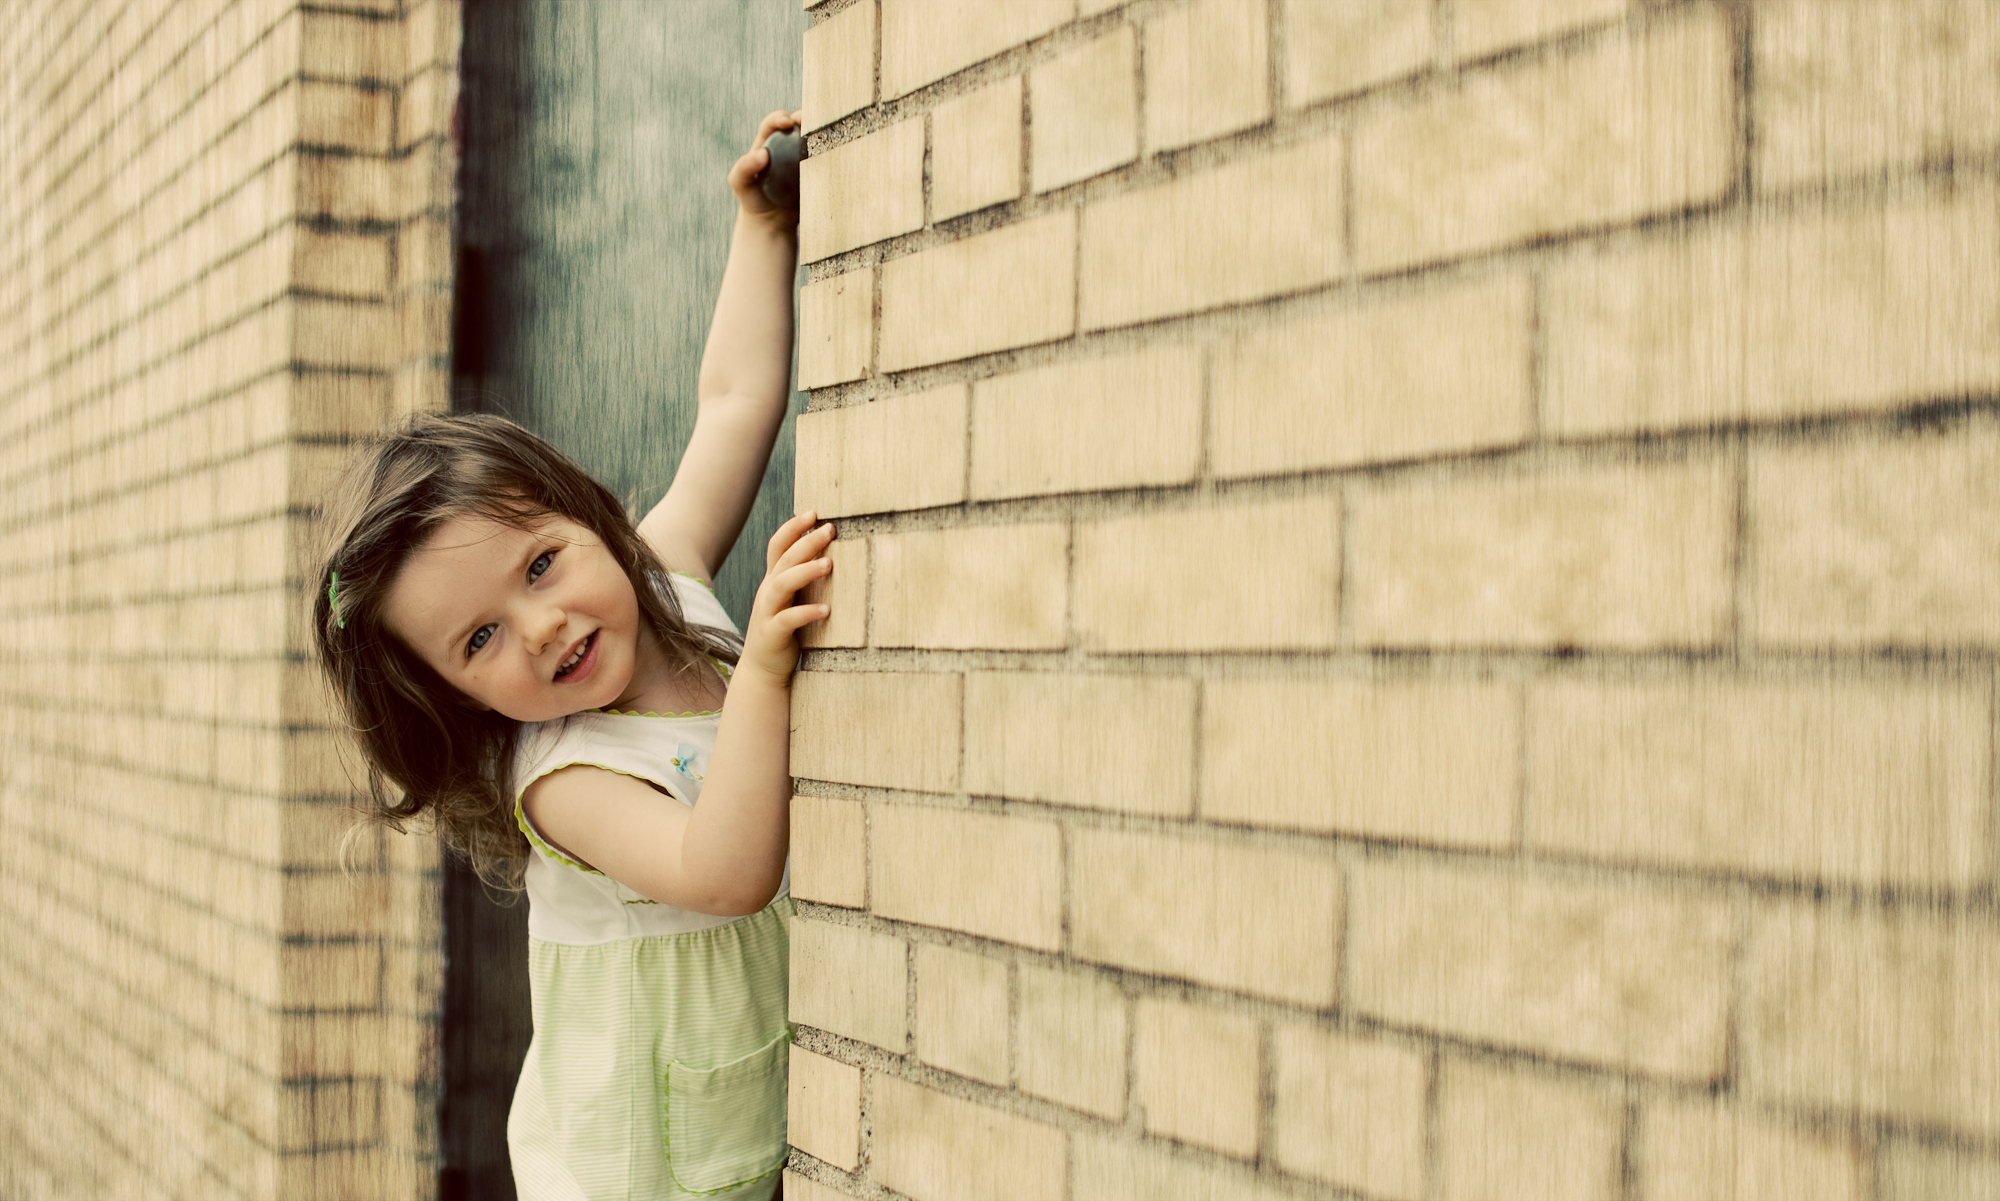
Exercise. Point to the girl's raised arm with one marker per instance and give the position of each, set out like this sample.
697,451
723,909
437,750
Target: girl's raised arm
745,380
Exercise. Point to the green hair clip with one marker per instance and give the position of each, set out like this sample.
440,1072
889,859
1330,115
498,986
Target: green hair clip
333,601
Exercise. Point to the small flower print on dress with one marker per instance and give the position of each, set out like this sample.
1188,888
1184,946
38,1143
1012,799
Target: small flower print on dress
690,762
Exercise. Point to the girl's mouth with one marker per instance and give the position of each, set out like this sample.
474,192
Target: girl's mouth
580,662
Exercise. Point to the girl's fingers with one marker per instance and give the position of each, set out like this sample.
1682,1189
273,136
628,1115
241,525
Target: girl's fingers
793,619
793,578
772,123
785,536
807,544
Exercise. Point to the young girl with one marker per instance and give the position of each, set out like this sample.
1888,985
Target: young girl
559,689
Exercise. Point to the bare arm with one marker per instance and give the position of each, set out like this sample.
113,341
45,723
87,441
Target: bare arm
744,382
727,855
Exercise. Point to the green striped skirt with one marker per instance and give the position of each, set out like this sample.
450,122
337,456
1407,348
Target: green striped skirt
657,1068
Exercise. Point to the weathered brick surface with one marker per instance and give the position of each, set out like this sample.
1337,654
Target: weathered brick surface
900,452
1425,761
1847,89
1204,255
1852,1010
962,1013
834,319
852,982
1486,26
1876,543
1072,1031
1910,1170
1107,1170
1348,1111
1708,1151
928,1145
823,1108
1260,921
1086,111
1105,742
993,587
994,291
1333,49
1207,71
1251,576
976,150
1435,373
844,592
829,851
1627,976
1198,1073
1501,1134
862,191
1618,131
839,65
894,729
920,857
1831,311
925,40
1068,428
1635,557
1871,782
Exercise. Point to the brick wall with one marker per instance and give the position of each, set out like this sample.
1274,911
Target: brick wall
1417,600
225,253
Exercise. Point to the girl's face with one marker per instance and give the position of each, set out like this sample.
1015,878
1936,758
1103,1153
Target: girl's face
535,624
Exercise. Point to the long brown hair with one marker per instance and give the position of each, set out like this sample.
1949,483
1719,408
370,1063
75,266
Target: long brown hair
418,733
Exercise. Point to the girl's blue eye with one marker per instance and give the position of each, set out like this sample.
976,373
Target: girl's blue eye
542,563
479,638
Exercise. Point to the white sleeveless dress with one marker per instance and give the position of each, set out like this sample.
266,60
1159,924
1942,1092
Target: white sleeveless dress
657,1068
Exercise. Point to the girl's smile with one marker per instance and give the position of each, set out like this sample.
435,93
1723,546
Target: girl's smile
535,624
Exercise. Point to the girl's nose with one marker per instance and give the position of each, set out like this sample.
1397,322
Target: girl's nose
541,626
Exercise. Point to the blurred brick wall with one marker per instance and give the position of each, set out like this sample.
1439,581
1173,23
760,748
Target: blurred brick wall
1416,605
225,253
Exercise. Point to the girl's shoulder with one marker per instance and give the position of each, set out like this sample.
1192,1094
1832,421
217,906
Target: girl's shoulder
699,602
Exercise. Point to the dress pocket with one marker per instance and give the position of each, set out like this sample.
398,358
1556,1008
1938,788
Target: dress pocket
726,1124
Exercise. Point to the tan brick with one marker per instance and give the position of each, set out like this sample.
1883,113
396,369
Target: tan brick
424,254
1255,576
894,454
1245,918
845,592
1431,374
334,114
1876,783
1844,89
1701,1150
1874,542
1894,1012
1072,1040
836,325
1844,311
341,264
933,1147
1108,1170
802,1188
976,149
1914,1171
1348,1111
1208,71
829,851
1200,253
891,729
962,1013
1000,587
839,65
1506,1135
823,1108
1428,761
1628,976
1198,1075
329,333
424,106
1124,743
850,982
1633,556
924,40
345,47
1070,427
1332,49
1086,110
994,291
1482,27
920,859
1628,128
862,191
